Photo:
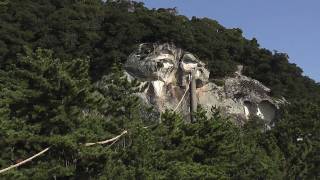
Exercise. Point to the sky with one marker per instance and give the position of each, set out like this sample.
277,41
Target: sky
288,26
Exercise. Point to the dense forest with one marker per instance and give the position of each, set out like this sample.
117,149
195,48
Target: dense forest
62,86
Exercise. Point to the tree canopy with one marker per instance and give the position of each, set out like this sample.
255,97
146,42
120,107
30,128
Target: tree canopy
62,85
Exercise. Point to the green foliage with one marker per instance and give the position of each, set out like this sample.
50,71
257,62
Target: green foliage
108,31
298,137
76,93
219,82
48,102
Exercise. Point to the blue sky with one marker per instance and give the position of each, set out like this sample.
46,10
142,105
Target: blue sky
289,26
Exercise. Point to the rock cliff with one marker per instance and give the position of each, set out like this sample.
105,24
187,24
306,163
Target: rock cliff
164,71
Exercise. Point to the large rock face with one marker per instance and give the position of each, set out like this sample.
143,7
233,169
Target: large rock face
164,71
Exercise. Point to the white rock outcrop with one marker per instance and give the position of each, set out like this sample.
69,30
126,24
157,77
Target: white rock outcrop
164,72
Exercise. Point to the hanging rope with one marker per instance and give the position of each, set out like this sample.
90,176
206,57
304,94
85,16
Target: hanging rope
183,95
161,102
25,161
114,139
108,140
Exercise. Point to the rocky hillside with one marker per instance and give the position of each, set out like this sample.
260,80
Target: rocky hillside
67,111
164,72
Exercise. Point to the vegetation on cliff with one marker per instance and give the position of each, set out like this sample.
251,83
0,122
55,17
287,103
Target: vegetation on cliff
75,93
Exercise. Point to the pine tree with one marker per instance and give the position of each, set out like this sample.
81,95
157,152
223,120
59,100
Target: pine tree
49,102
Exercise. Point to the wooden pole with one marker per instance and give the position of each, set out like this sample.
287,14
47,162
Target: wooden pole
193,95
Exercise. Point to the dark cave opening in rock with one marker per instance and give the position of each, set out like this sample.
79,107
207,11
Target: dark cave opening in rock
268,110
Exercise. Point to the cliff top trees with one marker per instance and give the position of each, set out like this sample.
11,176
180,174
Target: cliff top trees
61,98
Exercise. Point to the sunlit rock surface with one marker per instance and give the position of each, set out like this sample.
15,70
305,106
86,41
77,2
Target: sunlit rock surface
164,72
